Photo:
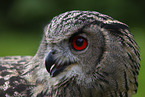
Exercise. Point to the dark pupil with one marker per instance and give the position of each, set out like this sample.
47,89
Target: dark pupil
79,42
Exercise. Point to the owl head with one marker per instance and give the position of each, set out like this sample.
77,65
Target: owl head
89,49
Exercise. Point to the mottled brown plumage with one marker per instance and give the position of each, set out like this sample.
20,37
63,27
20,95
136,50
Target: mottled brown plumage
82,54
11,82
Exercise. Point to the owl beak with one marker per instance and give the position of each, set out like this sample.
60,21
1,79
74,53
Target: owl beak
52,66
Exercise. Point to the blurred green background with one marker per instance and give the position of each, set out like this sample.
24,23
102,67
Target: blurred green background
22,23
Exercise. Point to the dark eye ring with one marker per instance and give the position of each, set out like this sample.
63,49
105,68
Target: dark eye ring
79,43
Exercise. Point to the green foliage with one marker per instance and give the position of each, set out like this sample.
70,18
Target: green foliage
22,23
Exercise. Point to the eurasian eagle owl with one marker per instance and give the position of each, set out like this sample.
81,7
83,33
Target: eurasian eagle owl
82,54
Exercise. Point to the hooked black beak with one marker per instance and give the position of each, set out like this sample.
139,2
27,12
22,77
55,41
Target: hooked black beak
52,65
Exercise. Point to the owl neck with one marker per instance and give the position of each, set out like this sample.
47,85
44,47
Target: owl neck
71,89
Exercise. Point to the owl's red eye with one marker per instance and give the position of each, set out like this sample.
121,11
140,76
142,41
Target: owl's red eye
79,43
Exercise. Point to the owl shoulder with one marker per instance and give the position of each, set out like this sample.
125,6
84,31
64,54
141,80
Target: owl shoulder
11,82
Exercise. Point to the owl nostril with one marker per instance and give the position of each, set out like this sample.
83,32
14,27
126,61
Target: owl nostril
53,52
